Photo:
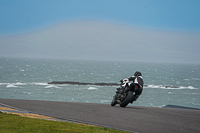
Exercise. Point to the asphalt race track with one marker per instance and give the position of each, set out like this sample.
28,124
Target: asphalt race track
132,118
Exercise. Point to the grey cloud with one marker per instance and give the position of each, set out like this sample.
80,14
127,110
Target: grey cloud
102,40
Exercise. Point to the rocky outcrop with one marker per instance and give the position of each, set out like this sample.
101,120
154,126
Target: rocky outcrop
81,83
102,84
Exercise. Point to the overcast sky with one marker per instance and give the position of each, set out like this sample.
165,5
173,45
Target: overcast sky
135,30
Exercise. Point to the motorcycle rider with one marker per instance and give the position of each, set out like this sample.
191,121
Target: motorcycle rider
136,86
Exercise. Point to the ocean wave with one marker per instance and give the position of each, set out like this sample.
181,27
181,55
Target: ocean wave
35,83
189,87
195,79
19,83
92,88
51,86
170,87
11,86
4,83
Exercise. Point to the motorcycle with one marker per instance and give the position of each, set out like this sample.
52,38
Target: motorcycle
123,97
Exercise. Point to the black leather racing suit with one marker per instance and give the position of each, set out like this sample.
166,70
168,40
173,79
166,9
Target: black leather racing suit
136,86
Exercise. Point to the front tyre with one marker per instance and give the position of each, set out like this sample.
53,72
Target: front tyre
114,102
127,100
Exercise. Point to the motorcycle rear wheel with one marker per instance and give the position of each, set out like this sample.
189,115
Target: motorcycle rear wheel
127,100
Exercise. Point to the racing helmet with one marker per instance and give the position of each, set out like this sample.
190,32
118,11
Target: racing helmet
137,73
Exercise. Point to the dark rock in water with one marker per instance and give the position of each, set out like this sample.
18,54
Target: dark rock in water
100,84
81,83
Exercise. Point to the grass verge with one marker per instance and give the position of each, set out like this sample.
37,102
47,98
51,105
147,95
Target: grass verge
10,123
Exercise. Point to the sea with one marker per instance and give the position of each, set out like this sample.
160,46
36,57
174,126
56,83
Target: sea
165,83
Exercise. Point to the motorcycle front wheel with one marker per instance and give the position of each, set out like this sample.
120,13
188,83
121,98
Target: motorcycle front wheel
114,102
127,100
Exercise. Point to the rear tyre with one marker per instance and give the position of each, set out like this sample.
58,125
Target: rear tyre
127,100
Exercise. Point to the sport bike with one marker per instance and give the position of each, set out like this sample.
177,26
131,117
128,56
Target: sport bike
123,97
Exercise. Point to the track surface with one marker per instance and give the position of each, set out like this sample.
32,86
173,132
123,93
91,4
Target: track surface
131,118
